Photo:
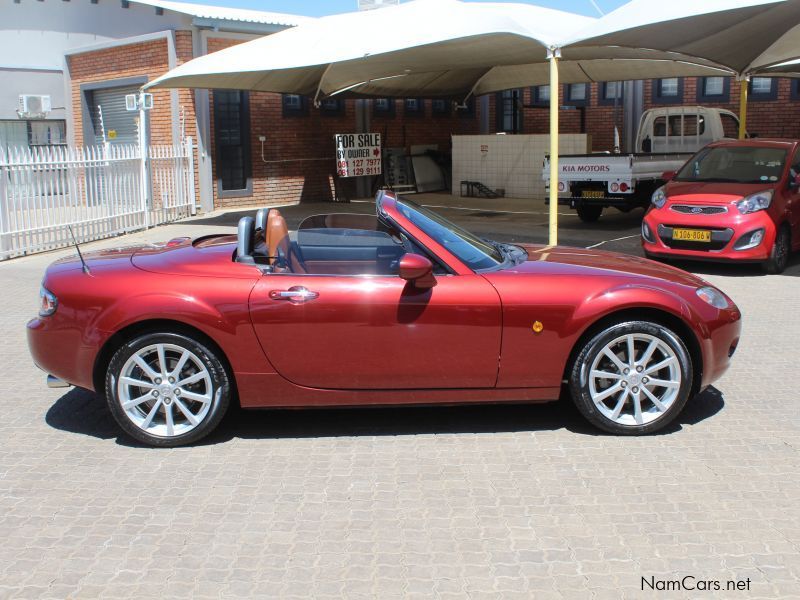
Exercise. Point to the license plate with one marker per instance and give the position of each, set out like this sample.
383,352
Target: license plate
692,235
592,194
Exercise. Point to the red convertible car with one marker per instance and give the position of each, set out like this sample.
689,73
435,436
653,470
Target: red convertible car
398,308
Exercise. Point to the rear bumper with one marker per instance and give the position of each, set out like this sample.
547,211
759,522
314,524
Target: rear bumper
60,352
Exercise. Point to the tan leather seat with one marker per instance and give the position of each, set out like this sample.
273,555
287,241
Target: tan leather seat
279,244
277,236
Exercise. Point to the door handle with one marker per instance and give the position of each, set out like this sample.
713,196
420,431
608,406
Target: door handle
296,294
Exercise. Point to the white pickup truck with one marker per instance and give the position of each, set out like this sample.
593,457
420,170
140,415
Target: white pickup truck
666,139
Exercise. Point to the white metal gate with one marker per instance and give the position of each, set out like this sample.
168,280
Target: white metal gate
96,191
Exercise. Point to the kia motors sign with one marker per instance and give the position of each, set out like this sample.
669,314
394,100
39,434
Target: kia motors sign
358,154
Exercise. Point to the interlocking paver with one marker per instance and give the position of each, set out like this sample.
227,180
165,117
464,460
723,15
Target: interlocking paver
464,502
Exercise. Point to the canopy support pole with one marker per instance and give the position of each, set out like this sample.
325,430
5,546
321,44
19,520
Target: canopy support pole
744,84
553,55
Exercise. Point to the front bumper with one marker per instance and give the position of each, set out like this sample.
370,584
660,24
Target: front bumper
720,343
726,232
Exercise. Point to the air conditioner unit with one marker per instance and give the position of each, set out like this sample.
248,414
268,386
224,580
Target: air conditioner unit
32,105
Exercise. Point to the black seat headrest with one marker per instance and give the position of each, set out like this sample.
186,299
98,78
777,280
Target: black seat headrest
262,214
244,241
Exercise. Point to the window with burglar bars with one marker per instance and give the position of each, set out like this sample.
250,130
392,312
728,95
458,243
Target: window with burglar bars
763,88
232,133
713,89
509,113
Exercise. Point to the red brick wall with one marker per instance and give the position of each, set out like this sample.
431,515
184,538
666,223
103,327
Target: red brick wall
767,118
598,121
186,99
295,139
148,59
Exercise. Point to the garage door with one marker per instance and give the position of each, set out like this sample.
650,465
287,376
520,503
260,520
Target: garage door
119,123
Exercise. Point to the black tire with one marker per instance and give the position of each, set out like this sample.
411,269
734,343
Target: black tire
218,380
591,348
779,255
589,214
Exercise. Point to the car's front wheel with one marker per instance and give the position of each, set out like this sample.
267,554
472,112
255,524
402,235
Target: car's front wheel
167,389
779,255
632,378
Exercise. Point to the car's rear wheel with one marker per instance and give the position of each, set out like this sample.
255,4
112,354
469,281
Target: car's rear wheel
167,389
632,378
779,255
589,214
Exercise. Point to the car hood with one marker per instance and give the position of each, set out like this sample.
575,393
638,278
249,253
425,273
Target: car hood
581,261
712,193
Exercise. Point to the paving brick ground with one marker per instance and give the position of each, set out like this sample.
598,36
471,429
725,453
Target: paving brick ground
476,502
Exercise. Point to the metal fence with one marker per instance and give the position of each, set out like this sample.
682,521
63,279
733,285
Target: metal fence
98,192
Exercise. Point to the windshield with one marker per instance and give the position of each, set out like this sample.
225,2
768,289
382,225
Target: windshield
476,253
735,164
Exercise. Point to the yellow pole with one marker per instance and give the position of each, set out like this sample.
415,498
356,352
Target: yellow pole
553,56
744,83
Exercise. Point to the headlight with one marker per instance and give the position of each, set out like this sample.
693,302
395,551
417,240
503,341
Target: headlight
646,233
713,297
659,197
47,302
754,202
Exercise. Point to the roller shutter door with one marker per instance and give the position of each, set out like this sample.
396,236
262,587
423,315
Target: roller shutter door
116,117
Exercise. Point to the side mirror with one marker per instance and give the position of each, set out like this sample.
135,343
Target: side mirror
794,181
417,270
668,175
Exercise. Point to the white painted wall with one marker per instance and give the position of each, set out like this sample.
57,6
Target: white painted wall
510,162
23,81
35,35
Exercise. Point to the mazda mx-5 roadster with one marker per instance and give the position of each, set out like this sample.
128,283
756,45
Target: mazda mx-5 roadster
401,307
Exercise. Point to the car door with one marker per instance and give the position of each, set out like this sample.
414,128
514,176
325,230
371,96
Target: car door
379,332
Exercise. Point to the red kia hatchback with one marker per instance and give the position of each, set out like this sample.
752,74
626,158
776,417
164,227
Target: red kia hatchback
732,201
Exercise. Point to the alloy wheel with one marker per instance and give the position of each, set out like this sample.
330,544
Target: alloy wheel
165,390
634,379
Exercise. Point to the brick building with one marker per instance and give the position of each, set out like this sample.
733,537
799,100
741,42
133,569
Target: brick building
262,148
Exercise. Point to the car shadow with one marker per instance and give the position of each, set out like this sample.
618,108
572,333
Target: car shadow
735,269
85,413
612,221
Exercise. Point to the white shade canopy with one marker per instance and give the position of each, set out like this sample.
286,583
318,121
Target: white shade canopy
449,48
438,47
744,36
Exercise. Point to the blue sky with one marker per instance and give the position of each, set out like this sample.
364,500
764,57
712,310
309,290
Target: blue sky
318,8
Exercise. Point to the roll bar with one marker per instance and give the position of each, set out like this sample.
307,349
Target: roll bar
244,241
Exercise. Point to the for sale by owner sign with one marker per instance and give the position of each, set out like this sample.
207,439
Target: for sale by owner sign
358,154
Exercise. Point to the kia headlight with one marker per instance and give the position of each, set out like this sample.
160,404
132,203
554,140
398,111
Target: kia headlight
713,297
754,202
659,197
